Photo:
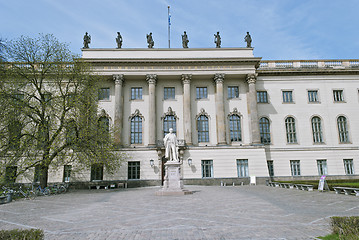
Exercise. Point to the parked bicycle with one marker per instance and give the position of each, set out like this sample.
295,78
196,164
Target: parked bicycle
29,194
42,191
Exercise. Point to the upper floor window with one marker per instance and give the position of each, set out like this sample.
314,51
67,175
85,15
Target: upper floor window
338,96
290,130
235,128
136,93
264,129
201,93
313,96
203,128
169,93
169,122
317,130
233,92
287,96
343,129
136,130
104,94
262,97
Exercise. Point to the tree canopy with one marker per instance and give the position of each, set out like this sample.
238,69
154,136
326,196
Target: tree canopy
49,103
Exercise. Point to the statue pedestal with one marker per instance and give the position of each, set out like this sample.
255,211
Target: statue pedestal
172,185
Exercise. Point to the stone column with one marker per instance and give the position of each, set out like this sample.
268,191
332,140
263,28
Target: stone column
151,80
118,78
221,123
252,104
187,119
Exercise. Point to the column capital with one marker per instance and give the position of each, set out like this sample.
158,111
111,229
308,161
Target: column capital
251,78
186,78
219,77
151,78
118,78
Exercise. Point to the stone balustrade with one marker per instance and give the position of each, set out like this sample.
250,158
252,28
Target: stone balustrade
340,63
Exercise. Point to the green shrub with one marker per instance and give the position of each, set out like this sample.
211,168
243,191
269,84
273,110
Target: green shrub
23,234
346,227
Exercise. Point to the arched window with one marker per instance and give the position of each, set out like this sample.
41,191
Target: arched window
136,130
343,129
317,130
203,129
290,130
169,121
235,128
104,128
264,129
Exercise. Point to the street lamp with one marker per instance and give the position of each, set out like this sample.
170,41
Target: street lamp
189,160
152,162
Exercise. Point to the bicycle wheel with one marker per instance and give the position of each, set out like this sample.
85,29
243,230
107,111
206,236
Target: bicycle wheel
62,189
47,192
31,195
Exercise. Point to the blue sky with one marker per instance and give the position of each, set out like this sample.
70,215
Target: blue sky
280,29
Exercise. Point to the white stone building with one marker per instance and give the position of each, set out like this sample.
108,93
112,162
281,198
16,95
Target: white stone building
236,115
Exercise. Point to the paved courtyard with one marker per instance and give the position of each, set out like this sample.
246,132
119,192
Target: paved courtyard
243,212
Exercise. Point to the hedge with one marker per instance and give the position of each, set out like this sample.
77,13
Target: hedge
346,227
23,234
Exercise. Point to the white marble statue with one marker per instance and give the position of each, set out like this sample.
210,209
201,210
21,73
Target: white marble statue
170,142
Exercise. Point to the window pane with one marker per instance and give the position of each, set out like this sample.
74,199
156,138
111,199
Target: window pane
343,130
201,92
136,130
322,167
134,170
233,92
207,168
313,96
169,122
242,167
235,128
136,93
169,93
287,96
290,130
203,129
317,130
338,95
270,168
262,97
104,94
264,129
295,167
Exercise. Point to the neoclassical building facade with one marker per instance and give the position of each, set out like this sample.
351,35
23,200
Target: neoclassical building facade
235,115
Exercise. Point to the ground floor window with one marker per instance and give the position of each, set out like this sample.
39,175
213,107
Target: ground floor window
133,170
97,171
270,168
207,168
67,173
322,167
348,166
295,167
10,174
242,167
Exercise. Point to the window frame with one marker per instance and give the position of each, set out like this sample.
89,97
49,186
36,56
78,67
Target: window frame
322,167
134,170
136,93
169,93
138,127
349,166
235,135
104,95
242,168
232,92
338,98
169,123
295,168
67,173
207,168
317,131
310,96
270,166
265,135
290,130
343,130
201,94
96,172
262,95
285,94
203,135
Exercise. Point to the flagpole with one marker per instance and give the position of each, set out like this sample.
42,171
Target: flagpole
169,28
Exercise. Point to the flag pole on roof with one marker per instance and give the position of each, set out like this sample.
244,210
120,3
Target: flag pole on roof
169,27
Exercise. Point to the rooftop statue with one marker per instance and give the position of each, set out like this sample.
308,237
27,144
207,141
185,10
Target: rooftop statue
119,40
185,40
217,40
248,39
170,142
87,40
150,41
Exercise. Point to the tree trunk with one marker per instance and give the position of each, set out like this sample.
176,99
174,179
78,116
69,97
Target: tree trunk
43,176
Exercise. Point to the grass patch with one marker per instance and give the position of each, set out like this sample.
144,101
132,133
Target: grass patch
23,234
330,237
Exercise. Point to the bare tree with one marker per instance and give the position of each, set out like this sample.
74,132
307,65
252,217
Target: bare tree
49,110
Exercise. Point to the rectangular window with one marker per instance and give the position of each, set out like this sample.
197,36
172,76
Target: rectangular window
348,166
262,97
242,167
295,167
270,168
10,174
338,96
169,93
322,167
287,96
201,93
67,173
97,171
136,93
313,96
233,92
207,168
104,94
133,170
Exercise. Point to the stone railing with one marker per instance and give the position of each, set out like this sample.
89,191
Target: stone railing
288,64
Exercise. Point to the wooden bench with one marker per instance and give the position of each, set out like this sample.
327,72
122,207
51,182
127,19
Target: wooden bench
287,185
304,187
106,184
347,190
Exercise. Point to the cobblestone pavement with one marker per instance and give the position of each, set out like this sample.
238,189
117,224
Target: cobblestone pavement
243,212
